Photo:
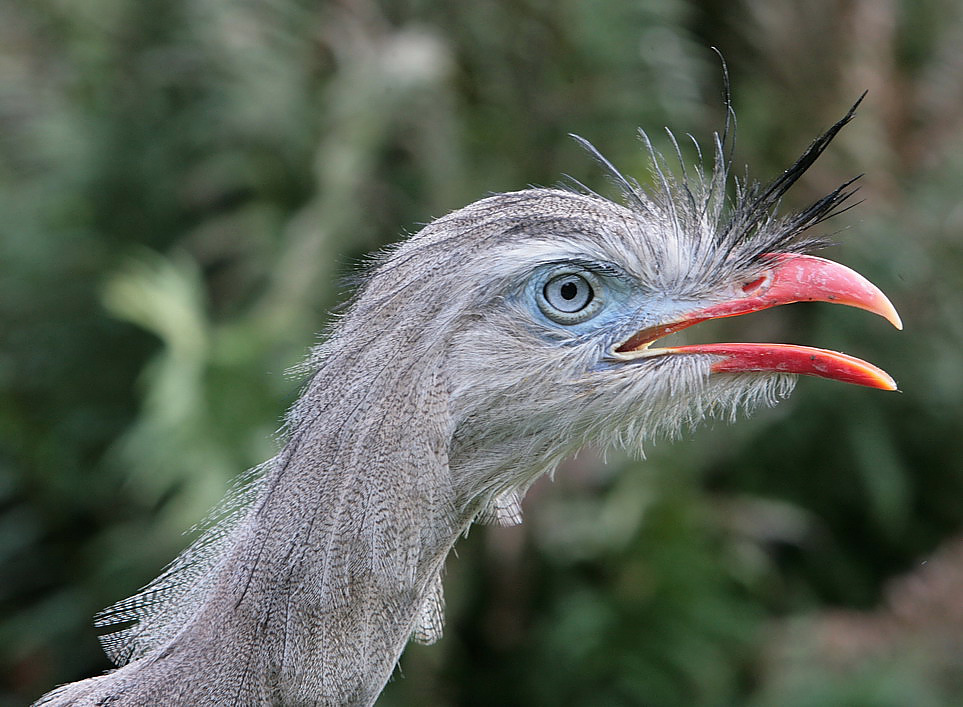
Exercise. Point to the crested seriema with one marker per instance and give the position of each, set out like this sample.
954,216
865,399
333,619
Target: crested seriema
475,355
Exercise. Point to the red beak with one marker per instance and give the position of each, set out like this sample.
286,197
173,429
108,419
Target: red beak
792,278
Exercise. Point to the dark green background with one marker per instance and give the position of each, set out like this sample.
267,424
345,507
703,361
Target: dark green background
184,183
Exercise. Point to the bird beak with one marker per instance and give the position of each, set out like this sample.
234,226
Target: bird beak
791,278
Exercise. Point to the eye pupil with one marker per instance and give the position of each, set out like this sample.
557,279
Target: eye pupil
569,290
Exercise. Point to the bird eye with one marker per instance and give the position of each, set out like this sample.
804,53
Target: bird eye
570,297
568,293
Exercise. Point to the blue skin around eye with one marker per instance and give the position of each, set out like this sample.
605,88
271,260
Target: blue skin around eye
627,307
616,291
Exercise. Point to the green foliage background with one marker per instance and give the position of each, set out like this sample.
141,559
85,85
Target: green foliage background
184,184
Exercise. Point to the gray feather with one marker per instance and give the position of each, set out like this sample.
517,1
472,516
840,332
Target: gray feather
431,616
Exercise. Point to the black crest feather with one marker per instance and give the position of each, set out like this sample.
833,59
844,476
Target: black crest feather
748,225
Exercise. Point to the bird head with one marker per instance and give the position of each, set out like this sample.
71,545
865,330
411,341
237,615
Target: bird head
542,312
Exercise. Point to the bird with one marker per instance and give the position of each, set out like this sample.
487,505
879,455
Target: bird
474,356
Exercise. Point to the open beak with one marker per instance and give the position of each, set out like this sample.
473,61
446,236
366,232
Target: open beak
792,278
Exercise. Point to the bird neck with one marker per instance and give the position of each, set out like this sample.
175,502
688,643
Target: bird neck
341,553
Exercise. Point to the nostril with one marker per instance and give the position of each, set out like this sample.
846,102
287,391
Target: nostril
755,285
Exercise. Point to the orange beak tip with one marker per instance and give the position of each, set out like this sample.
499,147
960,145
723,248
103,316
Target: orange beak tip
895,320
